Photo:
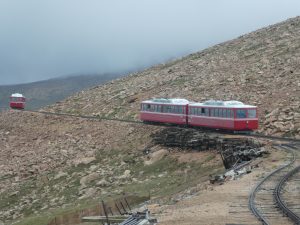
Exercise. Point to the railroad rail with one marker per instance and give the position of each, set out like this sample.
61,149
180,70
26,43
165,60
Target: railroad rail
265,198
279,199
158,124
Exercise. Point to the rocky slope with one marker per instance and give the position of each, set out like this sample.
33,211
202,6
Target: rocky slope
260,68
53,162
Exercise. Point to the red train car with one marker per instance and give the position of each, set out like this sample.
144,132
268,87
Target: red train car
229,115
164,110
17,101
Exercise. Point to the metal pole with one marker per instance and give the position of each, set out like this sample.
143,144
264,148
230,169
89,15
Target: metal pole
104,209
118,208
123,207
127,203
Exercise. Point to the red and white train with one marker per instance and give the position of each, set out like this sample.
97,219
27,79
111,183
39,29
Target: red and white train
17,101
228,115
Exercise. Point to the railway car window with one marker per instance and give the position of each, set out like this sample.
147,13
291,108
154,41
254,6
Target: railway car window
158,108
194,111
251,113
215,112
152,108
204,111
167,109
212,112
180,109
173,109
241,113
224,113
220,112
148,107
229,113
144,107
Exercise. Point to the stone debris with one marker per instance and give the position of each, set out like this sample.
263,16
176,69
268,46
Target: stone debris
283,121
232,174
233,150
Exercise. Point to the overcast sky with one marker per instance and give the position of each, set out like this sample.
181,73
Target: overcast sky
41,39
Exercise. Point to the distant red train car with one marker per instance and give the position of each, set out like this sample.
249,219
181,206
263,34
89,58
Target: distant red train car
228,115
17,101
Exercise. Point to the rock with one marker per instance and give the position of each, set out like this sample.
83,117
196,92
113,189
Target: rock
89,192
88,178
15,193
60,175
126,175
156,156
103,183
84,161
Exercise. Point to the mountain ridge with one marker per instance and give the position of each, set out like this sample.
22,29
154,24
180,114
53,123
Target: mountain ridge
46,92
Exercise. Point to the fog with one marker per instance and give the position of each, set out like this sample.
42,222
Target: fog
42,39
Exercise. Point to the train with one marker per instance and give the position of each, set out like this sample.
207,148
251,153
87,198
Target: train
17,101
216,114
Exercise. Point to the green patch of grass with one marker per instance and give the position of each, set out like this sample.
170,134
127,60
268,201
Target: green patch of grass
209,158
6,199
35,220
47,217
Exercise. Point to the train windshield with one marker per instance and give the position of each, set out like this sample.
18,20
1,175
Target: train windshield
241,113
17,99
251,113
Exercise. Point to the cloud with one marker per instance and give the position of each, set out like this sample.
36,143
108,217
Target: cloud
41,39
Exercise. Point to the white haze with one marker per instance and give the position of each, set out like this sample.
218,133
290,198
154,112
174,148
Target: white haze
41,39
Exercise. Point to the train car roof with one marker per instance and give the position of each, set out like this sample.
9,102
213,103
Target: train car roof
227,104
175,101
17,95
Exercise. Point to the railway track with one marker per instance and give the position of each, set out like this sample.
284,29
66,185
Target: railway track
158,124
275,199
